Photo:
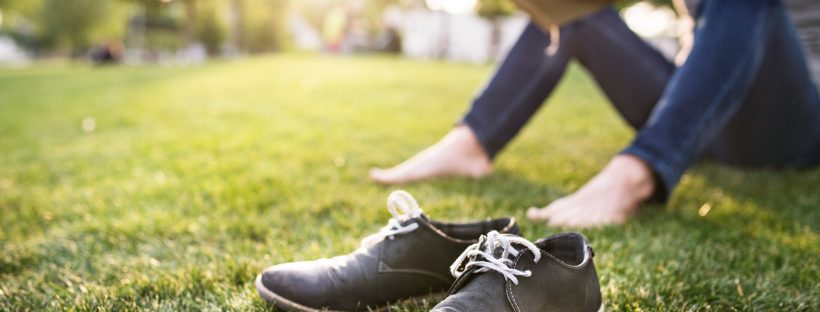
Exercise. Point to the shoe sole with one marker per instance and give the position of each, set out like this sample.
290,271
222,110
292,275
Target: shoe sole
286,304
280,301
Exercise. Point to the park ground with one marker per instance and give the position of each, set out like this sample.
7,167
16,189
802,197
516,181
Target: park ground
170,188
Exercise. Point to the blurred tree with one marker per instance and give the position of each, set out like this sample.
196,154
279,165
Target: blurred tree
495,10
258,25
314,11
72,25
373,11
202,24
235,25
19,6
210,29
190,24
19,18
155,27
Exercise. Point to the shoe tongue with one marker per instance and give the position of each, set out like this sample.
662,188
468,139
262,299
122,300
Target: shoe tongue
498,250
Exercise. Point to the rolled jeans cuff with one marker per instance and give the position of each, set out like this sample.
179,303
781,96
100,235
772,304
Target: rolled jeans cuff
484,139
666,174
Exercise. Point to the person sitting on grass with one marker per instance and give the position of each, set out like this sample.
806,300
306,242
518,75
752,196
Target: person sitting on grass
743,97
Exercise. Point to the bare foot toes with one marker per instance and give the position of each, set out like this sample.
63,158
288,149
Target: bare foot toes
389,176
540,214
611,197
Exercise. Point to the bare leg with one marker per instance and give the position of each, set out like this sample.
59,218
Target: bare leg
457,154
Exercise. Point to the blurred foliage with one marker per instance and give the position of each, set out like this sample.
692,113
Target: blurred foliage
64,25
209,28
261,24
372,12
500,8
18,6
244,26
74,25
495,8
369,11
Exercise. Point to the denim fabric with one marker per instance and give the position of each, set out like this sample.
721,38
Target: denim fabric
630,72
744,97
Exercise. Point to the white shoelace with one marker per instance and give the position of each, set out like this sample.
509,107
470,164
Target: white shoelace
488,261
398,200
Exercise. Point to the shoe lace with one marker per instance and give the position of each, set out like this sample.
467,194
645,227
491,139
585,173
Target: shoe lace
398,200
489,262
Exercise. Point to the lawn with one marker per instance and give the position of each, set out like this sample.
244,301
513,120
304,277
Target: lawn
167,188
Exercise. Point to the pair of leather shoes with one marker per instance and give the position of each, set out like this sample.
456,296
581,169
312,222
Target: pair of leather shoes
485,265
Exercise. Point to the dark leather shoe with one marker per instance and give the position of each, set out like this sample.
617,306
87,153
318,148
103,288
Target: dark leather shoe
505,272
408,257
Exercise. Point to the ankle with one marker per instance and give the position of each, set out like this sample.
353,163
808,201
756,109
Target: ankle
637,175
469,142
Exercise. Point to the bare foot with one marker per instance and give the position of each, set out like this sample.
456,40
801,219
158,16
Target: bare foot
457,154
611,197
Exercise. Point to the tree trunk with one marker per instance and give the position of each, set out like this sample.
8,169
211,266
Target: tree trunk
189,29
495,39
235,24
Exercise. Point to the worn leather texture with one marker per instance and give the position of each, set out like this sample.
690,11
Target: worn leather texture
410,264
564,280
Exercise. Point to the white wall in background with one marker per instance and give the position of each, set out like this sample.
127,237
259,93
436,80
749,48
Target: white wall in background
457,37
466,37
11,53
304,35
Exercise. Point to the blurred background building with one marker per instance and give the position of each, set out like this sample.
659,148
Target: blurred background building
191,31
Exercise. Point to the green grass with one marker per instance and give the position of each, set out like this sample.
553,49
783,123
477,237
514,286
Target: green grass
195,179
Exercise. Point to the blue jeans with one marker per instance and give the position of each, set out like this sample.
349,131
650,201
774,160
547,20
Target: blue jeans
744,97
